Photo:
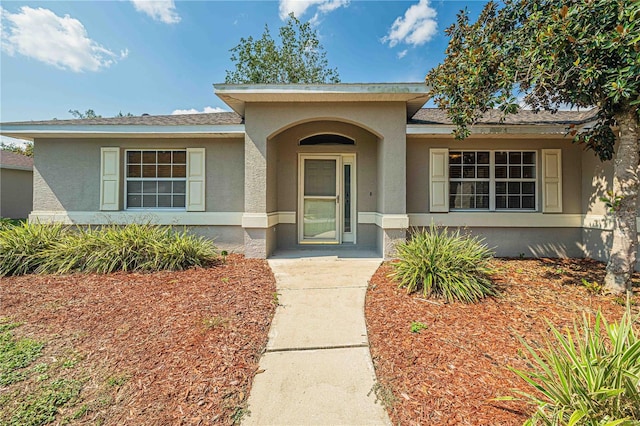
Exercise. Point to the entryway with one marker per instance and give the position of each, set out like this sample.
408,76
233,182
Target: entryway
327,204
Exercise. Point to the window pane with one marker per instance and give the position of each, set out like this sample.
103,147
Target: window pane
180,157
149,157
483,172
134,187
514,202
149,201
528,202
320,177
501,202
501,172
134,201
514,172
179,171
469,158
515,158
134,157
164,170
319,220
529,172
454,188
469,172
482,202
468,202
483,157
528,187
164,187
514,187
164,200
529,158
134,171
482,188
164,157
149,171
179,187
501,187
501,158
468,188
455,157
455,172
178,201
149,187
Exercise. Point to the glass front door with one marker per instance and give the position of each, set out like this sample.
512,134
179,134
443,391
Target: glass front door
321,212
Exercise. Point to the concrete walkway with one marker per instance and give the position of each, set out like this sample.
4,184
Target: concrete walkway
317,367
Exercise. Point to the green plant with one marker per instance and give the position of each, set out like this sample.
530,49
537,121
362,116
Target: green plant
117,380
612,201
444,264
21,246
213,322
592,287
42,405
588,377
416,327
15,356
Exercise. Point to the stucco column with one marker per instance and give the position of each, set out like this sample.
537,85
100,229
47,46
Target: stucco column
392,183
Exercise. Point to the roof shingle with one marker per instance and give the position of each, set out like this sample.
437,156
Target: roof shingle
439,116
215,118
11,159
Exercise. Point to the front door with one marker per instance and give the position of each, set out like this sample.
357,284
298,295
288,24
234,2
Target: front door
327,209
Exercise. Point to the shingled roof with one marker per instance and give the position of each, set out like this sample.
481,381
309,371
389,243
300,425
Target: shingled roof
11,160
215,118
438,116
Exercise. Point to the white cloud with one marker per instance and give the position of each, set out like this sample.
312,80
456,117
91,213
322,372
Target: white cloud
403,53
416,27
299,7
59,41
206,110
160,10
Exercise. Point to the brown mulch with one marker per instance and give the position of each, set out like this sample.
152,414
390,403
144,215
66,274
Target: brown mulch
448,373
188,342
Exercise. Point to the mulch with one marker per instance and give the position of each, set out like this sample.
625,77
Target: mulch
188,342
451,372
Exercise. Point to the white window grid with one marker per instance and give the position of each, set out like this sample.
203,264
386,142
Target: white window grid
178,184
492,180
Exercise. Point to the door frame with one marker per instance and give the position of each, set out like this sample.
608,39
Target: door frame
341,159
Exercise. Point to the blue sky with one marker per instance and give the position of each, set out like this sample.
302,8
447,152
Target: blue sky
162,57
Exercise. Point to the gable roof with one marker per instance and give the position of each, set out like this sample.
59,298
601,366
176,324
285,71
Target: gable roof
523,117
11,160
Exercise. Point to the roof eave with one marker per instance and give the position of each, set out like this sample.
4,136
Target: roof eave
30,132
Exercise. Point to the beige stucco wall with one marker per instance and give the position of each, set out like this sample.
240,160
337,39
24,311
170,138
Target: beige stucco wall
418,166
67,171
16,193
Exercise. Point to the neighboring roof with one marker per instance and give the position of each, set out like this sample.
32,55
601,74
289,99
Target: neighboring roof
211,119
11,160
523,117
236,95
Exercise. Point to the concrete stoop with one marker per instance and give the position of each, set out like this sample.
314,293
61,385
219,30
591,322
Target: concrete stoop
317,366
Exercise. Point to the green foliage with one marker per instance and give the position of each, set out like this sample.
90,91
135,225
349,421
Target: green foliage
417,326
42,405
582,53
21,246
25,148
135,247
444,264
87,114
592,287
298,58
588,377
16,355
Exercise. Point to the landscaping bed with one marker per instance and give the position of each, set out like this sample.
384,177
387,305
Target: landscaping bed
141,348
449,369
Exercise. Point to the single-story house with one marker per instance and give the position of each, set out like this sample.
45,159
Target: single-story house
16,185
318,166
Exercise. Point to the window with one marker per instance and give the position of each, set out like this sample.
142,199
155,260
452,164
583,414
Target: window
156,179
492,180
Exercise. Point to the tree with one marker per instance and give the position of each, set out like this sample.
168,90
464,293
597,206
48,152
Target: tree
583,53
298,57
26,148
87,114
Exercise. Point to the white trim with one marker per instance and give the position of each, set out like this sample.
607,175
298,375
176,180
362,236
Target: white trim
123,218
384,221
286,217
498,219
130,131
493,130
255,220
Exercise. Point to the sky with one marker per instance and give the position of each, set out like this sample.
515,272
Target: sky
162,57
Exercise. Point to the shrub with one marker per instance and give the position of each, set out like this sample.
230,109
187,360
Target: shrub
21,246
590,377
444,264
134,247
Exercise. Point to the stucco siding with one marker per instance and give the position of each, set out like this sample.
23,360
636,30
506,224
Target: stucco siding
67,171
16,193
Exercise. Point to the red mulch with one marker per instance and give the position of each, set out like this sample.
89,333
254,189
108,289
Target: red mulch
449,373
188,342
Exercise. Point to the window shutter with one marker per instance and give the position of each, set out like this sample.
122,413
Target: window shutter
552,181
439,180
109,178
195,179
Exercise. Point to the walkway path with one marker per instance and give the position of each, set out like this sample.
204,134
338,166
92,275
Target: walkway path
317,367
